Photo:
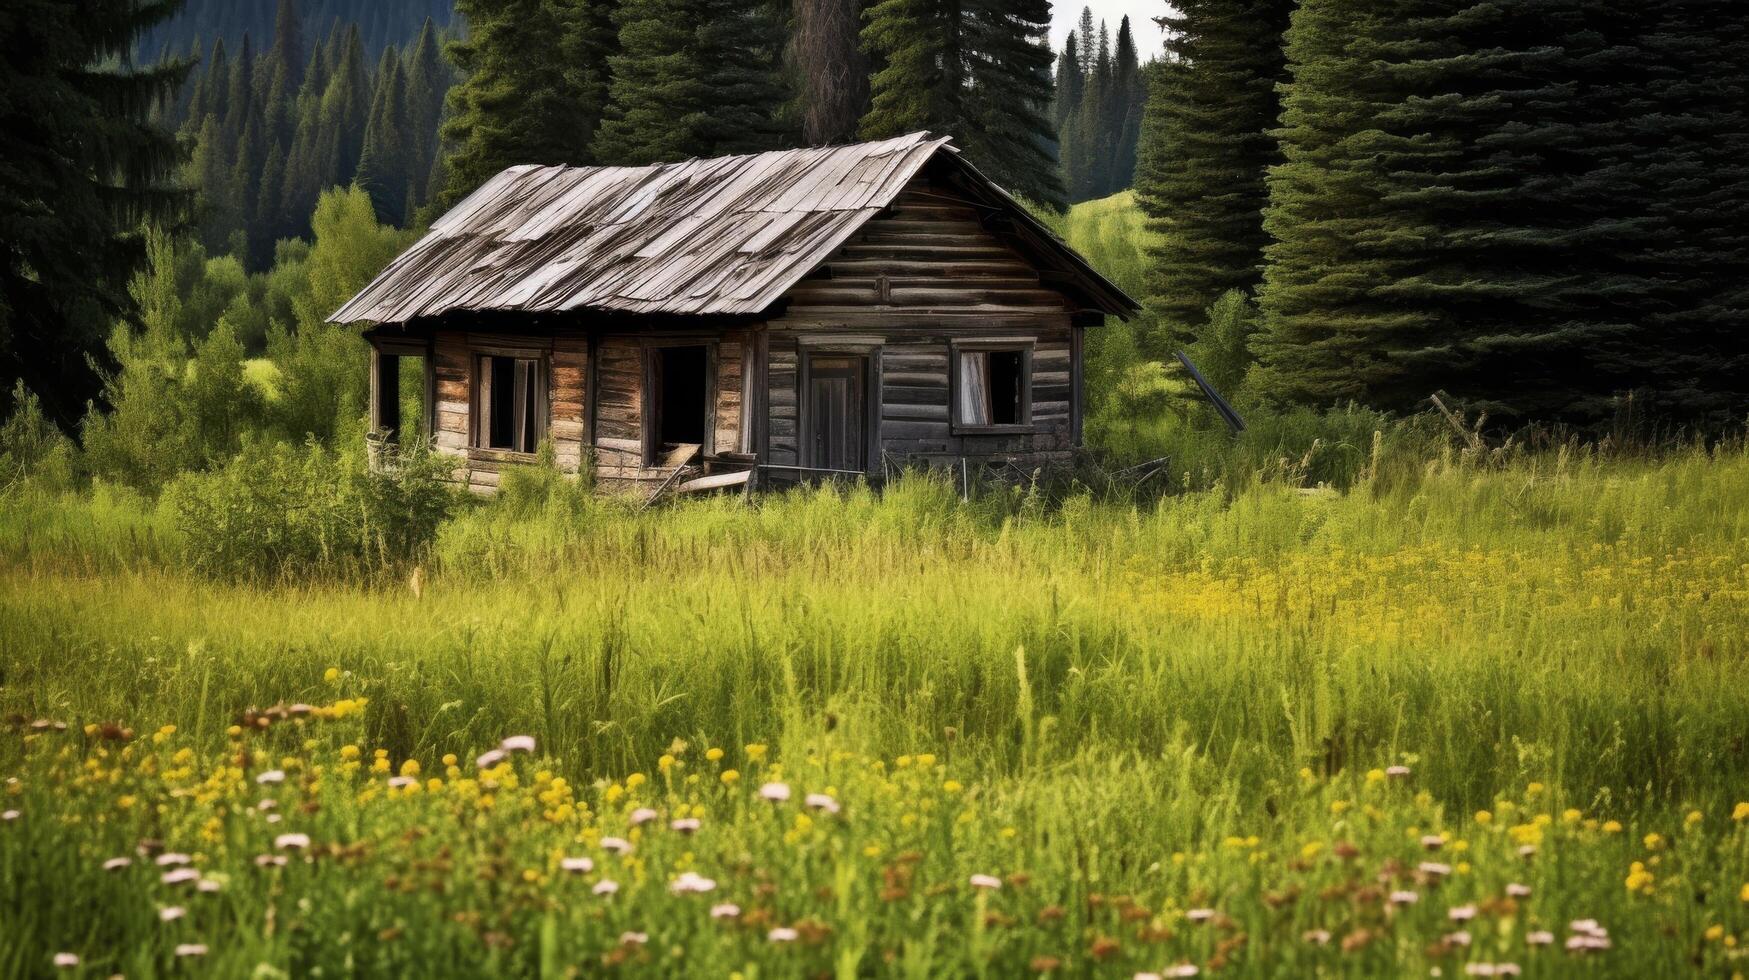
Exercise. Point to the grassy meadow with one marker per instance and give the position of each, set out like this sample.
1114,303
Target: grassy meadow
1441,719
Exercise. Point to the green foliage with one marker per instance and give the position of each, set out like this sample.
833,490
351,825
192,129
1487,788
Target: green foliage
83,169
517,103
1222,351
1098,111
693,78
1200,177
179,400
1523,205
324,367
278,511
978,70
33,448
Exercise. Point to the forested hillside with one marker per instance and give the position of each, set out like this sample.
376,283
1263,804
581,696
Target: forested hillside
201,22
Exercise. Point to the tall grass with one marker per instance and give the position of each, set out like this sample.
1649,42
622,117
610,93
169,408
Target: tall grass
1574,615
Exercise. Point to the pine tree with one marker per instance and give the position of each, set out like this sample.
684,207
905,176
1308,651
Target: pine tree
1125,114
83,169
693,78
979,70
516,103
1070,80
1530,227
382,166
1200,175
287,53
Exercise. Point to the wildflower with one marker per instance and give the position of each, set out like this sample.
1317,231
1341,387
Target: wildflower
331,675
66,961
1740,811
116,864
713,754
1527,851
1398,772
10,815
291,842
1483,817
179,875
266,804
171,913
1653,841
1516,890
1744,894
1715,932
633,938
1317,937
1432,842
821,802
1459,938
775,792
1612,826
1200,915
1541,937
1433,869
1580,944
729,776
691,882
190,950
782,934
1462,913
207,885
270,860
606,886
635,780
402,782
642,815
169,858
1639,879
489,759
576,865
755,752
685,825
1404,898
270,777
517,743
985,882
617,845
1181,970
1694,817
725,910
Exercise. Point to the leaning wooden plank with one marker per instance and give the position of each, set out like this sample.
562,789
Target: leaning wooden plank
715,481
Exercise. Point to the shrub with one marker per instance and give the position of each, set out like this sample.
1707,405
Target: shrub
284,512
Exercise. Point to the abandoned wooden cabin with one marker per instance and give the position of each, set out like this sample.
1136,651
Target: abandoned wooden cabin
828,311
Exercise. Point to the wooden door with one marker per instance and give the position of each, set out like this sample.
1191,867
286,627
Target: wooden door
837,409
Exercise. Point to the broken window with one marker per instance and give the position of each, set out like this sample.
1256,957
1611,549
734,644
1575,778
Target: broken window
510,398
402,407
678,397
994,387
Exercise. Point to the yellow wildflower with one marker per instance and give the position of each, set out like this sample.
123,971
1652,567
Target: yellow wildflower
1715,932
926,760
665,763
1484,817
1693,818
331,675
349,752
410,767
755,752
1571,815
1653,841
1741,812
729,776
1375,775
713,754
1612,826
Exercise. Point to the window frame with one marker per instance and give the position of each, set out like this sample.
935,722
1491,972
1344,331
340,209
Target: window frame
392,349
1024,346
479,430
649,399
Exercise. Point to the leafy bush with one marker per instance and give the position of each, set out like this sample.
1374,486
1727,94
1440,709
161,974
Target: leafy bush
278,511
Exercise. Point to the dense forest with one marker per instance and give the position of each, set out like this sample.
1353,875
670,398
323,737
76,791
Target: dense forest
1540,210
380,23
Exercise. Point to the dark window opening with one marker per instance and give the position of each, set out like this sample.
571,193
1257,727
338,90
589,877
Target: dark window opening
1006,390
680,396
511,407
993,388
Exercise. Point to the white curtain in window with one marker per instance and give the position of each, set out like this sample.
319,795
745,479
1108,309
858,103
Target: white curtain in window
974,407
524,390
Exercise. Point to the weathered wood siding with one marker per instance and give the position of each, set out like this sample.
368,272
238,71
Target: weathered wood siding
917,279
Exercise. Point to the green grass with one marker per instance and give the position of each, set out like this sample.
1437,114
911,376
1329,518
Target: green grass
1117,684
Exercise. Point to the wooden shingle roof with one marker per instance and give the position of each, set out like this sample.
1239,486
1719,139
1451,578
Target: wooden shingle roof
728,235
